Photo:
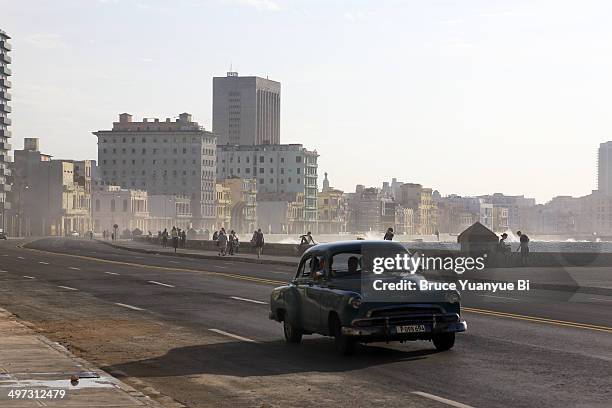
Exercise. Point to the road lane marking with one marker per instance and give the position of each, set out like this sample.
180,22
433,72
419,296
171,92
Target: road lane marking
161,284
74,269
248,300
129,306
498,297
442,400
165,268
538,319
174,262
220,267
2,271
233,336
603,300
112,273
28,277
20,257
43,263
66,287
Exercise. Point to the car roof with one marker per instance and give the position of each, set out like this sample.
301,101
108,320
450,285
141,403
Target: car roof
351,246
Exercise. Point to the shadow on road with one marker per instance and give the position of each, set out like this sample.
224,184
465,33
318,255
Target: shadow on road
243,359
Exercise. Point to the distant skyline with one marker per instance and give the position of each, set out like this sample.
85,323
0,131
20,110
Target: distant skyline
466,97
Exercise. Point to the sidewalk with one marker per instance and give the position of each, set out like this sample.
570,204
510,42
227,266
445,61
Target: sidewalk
32,362
202,254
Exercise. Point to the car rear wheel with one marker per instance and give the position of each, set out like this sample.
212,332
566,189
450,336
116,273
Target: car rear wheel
345,345
292,333
444,341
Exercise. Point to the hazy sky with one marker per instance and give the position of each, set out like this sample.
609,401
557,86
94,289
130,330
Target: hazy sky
467,97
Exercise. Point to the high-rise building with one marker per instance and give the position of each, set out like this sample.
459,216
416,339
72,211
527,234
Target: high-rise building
246,110
163,157
5,134
604,168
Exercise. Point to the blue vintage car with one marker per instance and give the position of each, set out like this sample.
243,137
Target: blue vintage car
327,297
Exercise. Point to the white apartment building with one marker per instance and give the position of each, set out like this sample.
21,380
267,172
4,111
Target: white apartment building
171,157
280,170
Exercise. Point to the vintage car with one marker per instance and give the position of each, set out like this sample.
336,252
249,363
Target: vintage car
326,297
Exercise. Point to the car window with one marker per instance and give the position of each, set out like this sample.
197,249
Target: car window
346,264
311,265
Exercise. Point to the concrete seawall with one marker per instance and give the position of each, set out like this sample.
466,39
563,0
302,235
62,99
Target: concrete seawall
536,259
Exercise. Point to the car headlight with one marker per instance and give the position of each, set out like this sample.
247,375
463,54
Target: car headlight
453,297
355,302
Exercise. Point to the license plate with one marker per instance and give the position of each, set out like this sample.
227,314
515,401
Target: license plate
413,328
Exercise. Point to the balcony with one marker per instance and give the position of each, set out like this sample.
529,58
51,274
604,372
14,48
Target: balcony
6,188
5,133
5,95
5,83
4,44
5,108
5,146
6,70
5,121
5,57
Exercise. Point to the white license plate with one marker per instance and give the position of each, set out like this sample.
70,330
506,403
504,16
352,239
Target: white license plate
413,328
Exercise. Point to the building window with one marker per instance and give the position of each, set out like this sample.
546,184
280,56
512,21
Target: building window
298,159
125,205
113,205
261,159
261,181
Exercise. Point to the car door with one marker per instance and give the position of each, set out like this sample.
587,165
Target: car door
308,288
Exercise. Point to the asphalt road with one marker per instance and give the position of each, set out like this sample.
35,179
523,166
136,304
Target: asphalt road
196,332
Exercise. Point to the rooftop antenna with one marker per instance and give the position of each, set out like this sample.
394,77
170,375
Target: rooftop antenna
231,72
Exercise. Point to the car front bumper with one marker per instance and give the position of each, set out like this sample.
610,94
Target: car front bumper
375,329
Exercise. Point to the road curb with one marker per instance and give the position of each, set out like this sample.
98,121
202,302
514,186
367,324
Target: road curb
31,330
200,256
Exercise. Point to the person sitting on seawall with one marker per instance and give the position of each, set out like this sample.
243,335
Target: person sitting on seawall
389,235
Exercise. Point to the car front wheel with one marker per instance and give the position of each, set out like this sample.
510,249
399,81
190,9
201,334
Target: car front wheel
292,333
344,344
444,341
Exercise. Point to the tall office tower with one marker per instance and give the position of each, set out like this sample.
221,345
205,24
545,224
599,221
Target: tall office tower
246,110
5,134
174,158
604,168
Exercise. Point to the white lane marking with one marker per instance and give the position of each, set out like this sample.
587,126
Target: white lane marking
20,257
129,306
174,262
28,277
74,269
161,284
66,287
43,263
442,400
221,267
5,255
248,300
1,271
498,297
603,300
112,273
233,336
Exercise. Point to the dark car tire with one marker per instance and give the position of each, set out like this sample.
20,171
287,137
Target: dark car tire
292,333
345,345
444,341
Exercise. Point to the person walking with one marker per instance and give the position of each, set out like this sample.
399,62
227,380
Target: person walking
164,238
233,242
259,242
175,239
222,242
389,234
183,238
523,247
